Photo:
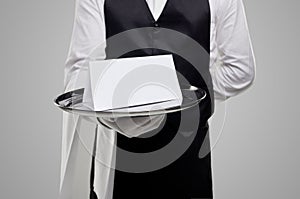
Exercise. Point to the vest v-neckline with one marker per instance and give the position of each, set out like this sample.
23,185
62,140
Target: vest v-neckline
151,14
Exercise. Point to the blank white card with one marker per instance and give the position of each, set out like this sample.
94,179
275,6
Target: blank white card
145,83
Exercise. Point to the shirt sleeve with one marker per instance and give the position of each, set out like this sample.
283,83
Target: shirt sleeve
88,33
235,68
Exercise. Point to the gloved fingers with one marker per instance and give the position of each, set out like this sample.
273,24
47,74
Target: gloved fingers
134,126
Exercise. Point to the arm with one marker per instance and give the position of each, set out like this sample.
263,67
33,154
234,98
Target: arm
235,70
88,32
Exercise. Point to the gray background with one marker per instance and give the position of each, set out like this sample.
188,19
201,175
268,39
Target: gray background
256,157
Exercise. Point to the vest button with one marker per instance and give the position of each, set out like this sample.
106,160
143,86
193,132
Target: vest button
155,24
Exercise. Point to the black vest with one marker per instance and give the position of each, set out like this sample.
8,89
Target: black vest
130,25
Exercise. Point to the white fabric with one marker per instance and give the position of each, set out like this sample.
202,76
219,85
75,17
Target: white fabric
232,67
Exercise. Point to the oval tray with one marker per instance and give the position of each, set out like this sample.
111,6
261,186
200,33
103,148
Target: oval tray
72,102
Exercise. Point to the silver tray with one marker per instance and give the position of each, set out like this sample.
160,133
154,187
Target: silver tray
72,102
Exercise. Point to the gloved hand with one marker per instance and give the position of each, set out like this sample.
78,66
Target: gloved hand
133,126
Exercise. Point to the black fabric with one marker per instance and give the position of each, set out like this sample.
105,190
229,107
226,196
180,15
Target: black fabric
189,176
93,194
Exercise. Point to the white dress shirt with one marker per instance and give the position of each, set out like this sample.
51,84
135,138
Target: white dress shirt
232,61
232,66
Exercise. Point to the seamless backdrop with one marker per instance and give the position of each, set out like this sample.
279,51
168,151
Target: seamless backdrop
257,155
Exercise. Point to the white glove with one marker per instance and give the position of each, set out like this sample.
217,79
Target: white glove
133,126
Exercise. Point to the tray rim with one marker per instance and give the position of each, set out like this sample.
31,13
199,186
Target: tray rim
115,114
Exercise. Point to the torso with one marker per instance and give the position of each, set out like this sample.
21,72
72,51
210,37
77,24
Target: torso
179,22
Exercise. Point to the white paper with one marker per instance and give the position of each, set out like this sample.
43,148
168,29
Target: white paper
131,82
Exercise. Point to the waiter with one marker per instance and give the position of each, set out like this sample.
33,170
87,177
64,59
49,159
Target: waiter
220,28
